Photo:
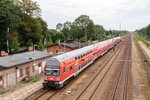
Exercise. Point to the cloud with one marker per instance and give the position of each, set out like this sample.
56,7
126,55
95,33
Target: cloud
132,14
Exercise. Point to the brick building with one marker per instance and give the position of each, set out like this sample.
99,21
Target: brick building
15,68
66,46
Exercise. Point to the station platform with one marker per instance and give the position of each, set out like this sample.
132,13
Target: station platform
146,49
22,91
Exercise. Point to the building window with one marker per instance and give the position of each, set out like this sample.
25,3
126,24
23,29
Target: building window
1,82
71,67
21,73
64,69
33,69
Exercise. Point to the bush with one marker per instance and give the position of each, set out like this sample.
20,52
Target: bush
141,38
31,80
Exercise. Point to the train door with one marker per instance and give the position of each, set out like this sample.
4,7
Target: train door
10,78
76,66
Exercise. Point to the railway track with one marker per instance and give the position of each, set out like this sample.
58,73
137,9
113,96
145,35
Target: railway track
89,87
121,85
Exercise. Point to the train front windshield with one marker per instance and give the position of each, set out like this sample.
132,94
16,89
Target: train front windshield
52,70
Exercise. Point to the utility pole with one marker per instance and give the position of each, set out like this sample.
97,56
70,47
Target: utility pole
145,33
44,41
120,28
7,40
112,38
34,65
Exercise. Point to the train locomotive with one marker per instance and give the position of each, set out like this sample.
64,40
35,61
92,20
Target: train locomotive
59,69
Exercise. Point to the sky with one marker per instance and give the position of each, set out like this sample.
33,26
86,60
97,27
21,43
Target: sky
129,14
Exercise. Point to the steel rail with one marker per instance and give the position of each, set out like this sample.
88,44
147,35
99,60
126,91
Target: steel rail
97,75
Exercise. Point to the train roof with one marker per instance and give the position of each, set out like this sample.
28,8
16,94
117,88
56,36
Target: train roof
80,51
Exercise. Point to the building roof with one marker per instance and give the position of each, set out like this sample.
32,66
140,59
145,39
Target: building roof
70,44
17,59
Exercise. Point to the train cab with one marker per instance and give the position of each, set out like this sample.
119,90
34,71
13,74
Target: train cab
52,73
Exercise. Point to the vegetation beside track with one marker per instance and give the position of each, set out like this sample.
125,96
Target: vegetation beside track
31,80
141,38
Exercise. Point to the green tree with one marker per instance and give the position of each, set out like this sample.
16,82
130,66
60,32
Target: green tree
9,17
29,7
40,46
52,35
14,45
59,27
82,23
29,43
91,32
76,32
99,29
55,36
102,37
147,32
66,30
60,36
43,27
30,28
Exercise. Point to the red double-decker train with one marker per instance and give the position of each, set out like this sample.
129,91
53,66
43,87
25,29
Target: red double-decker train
61,68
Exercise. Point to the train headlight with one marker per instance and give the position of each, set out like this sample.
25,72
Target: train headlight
57,78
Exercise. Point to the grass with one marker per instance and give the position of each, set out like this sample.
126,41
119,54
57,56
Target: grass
141,38
31,80
3,92
145,83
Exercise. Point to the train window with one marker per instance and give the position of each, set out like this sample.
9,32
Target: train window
64,69
80,56
75,58
52,72
71,67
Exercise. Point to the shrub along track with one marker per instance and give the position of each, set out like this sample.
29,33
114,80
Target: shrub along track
91,71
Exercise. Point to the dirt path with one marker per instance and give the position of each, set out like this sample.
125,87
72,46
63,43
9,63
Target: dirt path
137,71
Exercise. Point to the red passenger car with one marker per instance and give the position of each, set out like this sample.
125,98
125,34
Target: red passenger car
61,68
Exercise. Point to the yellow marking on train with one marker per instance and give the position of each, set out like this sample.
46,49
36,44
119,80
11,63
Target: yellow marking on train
74,62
